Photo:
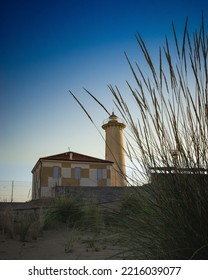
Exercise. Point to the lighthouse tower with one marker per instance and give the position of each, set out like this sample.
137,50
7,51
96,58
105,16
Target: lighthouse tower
114,150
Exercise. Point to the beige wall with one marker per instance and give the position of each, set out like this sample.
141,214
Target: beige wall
43,176
36,182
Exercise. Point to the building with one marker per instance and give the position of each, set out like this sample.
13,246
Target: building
72,169
114,150
178,176
69,169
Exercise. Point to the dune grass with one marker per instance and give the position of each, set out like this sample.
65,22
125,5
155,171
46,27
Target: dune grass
167,132
164,223
170,131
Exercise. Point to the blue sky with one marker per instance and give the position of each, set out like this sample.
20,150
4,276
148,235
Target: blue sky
50,47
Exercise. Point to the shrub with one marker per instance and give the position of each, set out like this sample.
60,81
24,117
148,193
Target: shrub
65,210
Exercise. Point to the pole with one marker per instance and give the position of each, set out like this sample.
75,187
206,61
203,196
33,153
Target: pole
12,191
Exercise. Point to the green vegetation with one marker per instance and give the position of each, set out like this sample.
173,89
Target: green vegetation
164,223
75,213
93,219
64,210
69,213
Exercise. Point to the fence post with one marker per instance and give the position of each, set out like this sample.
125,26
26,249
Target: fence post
12,191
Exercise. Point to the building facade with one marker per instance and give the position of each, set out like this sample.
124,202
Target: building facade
69,169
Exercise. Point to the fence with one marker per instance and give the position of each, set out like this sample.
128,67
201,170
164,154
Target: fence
15,191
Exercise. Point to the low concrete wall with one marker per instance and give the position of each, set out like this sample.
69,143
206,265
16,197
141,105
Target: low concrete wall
99,194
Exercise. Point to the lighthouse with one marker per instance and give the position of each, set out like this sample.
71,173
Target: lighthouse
114,150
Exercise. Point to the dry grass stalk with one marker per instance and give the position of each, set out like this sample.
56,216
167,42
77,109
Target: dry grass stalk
168,130
171,103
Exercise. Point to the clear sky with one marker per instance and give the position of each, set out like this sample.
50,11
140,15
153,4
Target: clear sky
49,47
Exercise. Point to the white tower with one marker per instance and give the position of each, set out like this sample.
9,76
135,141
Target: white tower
114,150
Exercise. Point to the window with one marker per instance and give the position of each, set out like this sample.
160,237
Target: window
77,173
99,174
56,172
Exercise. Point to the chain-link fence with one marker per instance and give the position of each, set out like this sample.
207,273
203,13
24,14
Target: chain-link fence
15,191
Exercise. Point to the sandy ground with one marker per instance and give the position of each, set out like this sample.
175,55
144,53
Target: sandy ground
59,244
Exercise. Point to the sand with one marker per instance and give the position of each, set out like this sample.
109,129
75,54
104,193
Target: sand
59,244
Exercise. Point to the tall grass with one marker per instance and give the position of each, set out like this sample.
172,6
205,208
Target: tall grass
7,223
93,218
75,213
171,124
26,225
64,210
169,136
164,223
167,145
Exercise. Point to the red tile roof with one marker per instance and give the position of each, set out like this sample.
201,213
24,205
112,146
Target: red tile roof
71,156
